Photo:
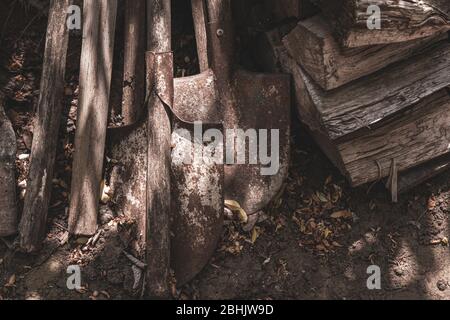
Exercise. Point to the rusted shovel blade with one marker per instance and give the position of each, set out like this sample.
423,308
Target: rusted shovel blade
197,182
261,103
197,188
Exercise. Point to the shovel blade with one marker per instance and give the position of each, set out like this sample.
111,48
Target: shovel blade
261,103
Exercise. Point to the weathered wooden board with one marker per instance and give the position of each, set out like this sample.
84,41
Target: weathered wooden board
8,209
95,85
364,103
46,128
417,135
417,175
412,128
313,46
400,20
134,60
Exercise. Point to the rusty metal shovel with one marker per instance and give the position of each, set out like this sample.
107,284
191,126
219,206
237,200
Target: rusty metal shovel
256,118
196,187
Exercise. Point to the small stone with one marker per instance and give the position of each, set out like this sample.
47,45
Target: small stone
442,285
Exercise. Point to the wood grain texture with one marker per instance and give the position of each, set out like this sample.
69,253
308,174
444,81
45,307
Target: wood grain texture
412,128
313,46
363,103
198,14
8,148
159,135
417,135
95,84
46,128
400,20
134,60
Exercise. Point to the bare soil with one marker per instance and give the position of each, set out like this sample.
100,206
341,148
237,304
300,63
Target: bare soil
316,240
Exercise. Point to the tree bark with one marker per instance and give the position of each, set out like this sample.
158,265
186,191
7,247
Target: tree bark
43,152
134,61
95,84
8,209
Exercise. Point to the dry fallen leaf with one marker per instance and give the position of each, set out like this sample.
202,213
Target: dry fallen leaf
255,234
431,203
342,214
236,208
11,281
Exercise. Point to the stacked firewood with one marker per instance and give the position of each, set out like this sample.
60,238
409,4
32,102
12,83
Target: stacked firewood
372,85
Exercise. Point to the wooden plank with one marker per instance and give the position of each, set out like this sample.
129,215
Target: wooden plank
99,18
364,103
400,20
134,60
46,128
418,175
159,135
8,148
313,46
198,14
415,136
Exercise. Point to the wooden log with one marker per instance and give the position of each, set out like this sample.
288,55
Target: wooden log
159,134
364,103
99,18
418,175
313,46
134,60
417,135
8,148
400,20
46,128
412,128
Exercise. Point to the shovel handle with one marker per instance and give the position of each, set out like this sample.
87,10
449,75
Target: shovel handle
159,33
220,38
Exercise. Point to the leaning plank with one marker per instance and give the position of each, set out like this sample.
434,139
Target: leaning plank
198,14
159,135
362,104
400,20
313,46
412,137
134,60
43,151
8,209
95,83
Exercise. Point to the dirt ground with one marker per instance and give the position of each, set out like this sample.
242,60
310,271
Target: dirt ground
315,241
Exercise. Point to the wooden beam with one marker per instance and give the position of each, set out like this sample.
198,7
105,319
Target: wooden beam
95,84
364,103
46,129
400,20
313,46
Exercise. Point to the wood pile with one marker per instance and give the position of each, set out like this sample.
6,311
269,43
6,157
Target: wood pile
377,101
